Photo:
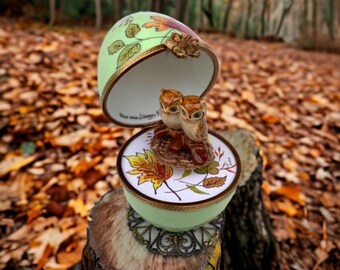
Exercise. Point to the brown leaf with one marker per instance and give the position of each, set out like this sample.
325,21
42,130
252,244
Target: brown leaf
84,165
91,177
72,254
290,165
214,182
14,162
33,213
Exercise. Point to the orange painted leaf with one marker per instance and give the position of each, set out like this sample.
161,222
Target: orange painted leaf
149,169
214,182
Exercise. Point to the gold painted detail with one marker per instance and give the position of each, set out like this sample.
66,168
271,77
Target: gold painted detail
183,45
182,244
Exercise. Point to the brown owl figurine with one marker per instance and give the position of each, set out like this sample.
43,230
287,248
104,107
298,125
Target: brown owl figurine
192,118
170,100
182,140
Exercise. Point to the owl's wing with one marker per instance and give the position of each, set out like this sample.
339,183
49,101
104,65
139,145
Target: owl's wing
202,130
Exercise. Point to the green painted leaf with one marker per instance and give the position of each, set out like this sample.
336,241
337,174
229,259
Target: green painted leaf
127,53
132,30
202,170
211,168
115,46
186,173
28,148
196,190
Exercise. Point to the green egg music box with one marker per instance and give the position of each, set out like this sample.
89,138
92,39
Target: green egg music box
153,73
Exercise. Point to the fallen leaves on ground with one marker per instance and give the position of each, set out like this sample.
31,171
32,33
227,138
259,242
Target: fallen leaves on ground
58,152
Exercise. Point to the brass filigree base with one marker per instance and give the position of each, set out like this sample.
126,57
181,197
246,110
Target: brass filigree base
167,243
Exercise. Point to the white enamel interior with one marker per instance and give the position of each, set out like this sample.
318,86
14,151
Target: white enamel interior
134,99
180,179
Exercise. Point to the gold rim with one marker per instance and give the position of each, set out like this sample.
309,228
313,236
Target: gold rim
133,62
172,205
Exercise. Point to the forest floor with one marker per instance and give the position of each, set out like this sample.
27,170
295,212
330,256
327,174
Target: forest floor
58,152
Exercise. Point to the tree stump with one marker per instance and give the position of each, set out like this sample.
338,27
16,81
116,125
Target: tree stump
247,239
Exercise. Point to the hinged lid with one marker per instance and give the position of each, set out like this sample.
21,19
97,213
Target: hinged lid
144,53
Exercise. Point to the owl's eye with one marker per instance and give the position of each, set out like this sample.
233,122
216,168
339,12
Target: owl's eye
197,115
174,109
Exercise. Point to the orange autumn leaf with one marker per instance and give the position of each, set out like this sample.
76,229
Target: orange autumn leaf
290,165
270,119
45,256
214,182
84,165
149,169
292,192
287,207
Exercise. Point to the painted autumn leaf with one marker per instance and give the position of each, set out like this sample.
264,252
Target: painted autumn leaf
127,53
149,169
115,46
132,30
211,168
196,190
213,182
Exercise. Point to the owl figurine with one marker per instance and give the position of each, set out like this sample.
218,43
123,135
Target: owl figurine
193,118
170,100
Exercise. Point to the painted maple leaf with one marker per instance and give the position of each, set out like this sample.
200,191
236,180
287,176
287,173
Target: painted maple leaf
149,169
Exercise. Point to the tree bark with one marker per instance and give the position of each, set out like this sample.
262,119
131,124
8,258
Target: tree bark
98,14
180,9
283,16
247,239
263,16
118,10
226,15
52,12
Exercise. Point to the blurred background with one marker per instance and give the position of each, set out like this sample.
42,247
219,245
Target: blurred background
309,24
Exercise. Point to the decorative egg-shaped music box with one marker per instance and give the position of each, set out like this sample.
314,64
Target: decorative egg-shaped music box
153,72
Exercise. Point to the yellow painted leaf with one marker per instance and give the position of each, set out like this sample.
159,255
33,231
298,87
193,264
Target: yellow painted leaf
149,169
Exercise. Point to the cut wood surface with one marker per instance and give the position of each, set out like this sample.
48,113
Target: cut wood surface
112,246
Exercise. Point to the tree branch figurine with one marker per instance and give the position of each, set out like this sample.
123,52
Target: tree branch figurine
182,139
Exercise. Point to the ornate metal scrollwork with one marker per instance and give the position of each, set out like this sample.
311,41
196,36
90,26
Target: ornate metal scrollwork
167,243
